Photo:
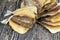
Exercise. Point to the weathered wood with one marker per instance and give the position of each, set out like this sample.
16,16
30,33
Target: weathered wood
38,32
6,31
2,5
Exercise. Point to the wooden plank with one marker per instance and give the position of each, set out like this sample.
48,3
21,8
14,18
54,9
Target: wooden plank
2,5
7,32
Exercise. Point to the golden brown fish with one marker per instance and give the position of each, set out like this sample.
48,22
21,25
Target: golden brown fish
52,29
23,19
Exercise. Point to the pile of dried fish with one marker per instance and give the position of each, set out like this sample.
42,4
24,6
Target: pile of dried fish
45,12
52,19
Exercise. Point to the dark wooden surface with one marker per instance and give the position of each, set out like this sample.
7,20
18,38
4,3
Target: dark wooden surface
36,33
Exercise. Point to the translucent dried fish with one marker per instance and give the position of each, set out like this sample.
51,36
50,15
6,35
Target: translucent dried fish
55,18
45,12
23,19
52,29
18,28
51,19
44,9
52,23
55,10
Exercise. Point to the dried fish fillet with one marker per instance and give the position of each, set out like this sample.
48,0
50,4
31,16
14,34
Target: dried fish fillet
18,28
41,5
44,9
23,19
55,18
52,13
52,23
31,10
51,20
55,10
26,11
52,29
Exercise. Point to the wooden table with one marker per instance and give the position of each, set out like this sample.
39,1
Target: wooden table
38,32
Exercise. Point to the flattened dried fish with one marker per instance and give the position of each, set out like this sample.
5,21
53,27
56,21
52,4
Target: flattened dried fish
18,28
55,18
45,12
55,10
52,29
51,19
52,23
23,19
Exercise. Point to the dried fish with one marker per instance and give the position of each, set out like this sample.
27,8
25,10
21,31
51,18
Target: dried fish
23,19
55,10
51,19
45,12
49,4
52,29
52,23
55,18
18,28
